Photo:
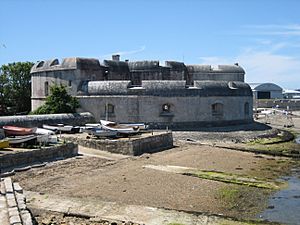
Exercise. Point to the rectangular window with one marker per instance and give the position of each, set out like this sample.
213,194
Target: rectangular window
46,88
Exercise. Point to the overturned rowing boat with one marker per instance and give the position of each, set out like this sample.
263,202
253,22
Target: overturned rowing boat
18,131
122,129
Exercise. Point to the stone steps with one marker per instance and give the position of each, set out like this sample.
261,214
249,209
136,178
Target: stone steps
13,209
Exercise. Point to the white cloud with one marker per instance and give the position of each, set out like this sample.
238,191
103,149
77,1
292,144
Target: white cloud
264,66
269,67
130,52
274,29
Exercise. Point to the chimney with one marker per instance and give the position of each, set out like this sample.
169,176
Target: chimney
116,57
127,60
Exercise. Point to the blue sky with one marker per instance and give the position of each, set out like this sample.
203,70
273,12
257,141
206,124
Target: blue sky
263,36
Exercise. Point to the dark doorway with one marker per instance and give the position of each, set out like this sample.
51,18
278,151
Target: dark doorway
263,95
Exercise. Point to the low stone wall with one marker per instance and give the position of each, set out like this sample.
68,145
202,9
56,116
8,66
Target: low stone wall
293,104
39,120
14,205
18,159
131,146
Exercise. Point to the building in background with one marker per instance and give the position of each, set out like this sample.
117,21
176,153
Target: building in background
266,91
291,94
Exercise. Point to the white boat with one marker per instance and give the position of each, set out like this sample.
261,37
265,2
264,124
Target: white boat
122,129
21,139
50,127
43,131
141,126
47,138
93,124
99,132
61,128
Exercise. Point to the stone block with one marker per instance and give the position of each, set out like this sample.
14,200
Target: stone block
20,198
8,185
13,220
10,196
18,188
13,211
22,206
26,218
2,188
11,202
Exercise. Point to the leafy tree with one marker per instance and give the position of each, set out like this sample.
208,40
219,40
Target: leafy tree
15,86
59,101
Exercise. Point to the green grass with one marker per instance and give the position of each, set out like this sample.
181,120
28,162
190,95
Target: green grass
176,224
236,179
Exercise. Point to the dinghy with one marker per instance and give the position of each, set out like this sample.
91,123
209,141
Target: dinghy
122,129
18,131
21,139
99,132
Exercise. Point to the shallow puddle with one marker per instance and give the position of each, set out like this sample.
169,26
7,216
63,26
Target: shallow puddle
284,205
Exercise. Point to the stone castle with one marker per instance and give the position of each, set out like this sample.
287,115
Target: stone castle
174,95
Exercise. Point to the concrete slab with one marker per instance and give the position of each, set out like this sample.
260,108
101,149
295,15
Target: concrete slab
118,212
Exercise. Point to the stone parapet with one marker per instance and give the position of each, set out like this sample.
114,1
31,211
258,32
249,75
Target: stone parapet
22,159
15,204
146,143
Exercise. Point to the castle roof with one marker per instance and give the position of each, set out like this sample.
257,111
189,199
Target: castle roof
143,65
117,66
66,64
174,65
170,88
217,69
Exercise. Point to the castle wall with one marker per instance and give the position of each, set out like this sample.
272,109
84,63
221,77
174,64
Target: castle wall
73,79
189,111
217,76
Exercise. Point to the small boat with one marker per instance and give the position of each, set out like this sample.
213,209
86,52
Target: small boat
122,129
93,124
59,128
50,127
47,138
141,126
99,132
4,143
43,131
18,131
21,139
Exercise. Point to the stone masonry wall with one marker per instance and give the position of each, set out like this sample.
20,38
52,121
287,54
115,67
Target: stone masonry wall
17,159
132,146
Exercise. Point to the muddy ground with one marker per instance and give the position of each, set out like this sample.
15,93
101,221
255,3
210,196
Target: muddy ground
94,177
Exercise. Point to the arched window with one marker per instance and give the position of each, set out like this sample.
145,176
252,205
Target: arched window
54,62
217,110
46,88
246,109
40,64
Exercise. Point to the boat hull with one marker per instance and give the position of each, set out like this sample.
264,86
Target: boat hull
21,139
97,132
4,144
122,129
18,131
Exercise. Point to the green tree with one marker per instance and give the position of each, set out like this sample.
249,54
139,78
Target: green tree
15,86
59,101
